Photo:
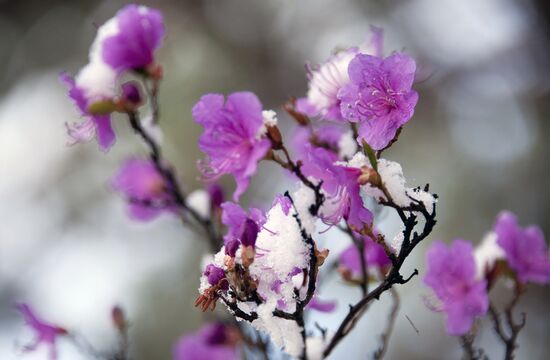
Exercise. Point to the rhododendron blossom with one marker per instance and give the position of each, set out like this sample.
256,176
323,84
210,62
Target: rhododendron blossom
98,126
144,187
327,79
374,254
232,136
239,225
341,185
525,249
379,96
140,31
126,41
45,333
332,213
215,341
452,276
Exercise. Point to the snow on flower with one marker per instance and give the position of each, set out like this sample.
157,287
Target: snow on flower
391,174
379,96
124,42
451,274
230,137
144,187
98,126
327,79
281,256
525,249
341,187
487,254
215,341
140,31
46,334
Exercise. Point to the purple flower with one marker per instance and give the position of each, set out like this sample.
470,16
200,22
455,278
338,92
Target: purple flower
341,186
452,276
327,136
214,275
379,96
321,305
45,333
140,32
374,253
214,341
232,136
217,196
326,80
144,187
241,227
98,126
131,93
525,249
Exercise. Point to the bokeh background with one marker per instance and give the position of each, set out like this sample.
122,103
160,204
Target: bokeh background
479,136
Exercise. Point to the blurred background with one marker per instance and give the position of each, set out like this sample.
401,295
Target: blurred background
479,137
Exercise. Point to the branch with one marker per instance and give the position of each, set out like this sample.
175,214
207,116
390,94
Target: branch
385,337
296,169
410,241
173,186
510,341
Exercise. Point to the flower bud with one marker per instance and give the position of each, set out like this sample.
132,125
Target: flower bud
250,233
118,318
247,256
290,108
215,275
275,136
370,176
217,196
131,94
231,247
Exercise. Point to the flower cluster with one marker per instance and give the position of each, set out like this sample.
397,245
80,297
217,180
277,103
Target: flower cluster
461,278
265,266
125,43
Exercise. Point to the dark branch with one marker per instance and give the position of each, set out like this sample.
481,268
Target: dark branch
173,187
410,240
385,337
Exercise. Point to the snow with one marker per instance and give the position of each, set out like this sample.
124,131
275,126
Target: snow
199,200
487,253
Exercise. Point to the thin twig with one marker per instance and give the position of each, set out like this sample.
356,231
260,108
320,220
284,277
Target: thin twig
385,337
509,340
410,241
172,184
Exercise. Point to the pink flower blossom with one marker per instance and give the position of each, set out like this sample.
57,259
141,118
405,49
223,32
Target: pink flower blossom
451,274
374,253
214,341
144,187
326,80
379,96
98,126
525,249
45,333
341,186
140,33
232,137
242,228
322,305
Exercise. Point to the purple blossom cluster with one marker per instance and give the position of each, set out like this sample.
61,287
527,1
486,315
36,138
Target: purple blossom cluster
267,267
508,251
